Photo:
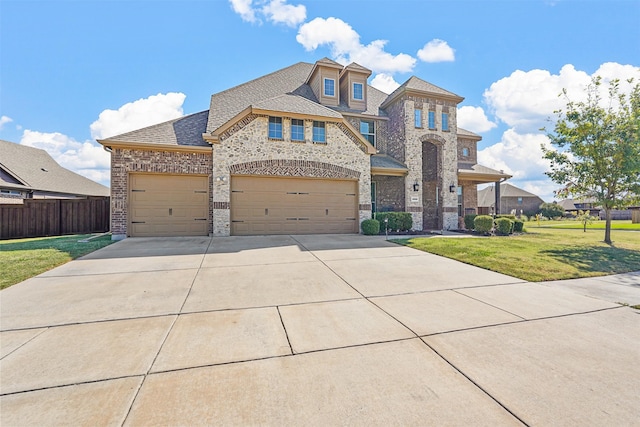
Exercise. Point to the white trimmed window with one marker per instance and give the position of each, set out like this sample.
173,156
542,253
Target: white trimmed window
297,130
358,91
329,87
368,130
319,132
275,127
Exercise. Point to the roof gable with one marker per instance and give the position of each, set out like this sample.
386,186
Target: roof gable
415,84
37,170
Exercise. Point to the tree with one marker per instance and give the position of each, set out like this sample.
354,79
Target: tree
597,152
585,218
551,210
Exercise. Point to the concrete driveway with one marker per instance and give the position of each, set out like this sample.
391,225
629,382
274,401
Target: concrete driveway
310,330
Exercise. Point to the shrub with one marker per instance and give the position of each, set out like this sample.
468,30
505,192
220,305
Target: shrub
551,210
370,227
504,226
518,226
397,221
511,217
483,223
468,221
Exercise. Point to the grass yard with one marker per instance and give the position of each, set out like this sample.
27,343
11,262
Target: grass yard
21,259
541,253
574,224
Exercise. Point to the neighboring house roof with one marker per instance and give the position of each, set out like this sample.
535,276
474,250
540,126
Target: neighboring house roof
479,173
186,130
486,196
36,170
570,204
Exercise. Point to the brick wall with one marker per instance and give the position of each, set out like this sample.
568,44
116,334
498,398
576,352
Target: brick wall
124,161
389,193
248,151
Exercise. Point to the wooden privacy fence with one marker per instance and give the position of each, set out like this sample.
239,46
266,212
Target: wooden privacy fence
54,217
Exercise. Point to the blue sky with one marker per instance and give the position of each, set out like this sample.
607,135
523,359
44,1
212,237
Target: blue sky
74,71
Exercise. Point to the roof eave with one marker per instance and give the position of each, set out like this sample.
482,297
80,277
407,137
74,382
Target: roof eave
153,146
455,98
389,171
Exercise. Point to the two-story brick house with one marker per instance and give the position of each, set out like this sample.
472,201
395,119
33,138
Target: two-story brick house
311,148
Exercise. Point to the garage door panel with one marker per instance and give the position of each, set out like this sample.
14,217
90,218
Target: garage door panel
266,205
168,205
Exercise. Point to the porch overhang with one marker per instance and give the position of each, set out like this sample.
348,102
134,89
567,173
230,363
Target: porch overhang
479,174
382,164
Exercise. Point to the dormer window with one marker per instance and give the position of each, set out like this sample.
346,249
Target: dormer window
329,87
358,91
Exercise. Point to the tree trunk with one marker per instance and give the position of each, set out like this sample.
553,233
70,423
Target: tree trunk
607,226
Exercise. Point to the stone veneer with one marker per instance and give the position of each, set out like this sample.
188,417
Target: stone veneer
248,151
404,137
125,161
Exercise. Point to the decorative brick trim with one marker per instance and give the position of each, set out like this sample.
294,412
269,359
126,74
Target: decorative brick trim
220,205
284,167
450,209
364,207
238,126
352,137
433,138
414,209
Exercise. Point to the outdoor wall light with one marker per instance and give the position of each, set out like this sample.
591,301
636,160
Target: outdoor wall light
416,186
221,179
452,188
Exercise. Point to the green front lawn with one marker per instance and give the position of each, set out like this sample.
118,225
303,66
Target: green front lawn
574,224
541,253
24,258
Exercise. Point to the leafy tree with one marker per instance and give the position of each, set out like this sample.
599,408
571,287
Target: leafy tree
551,210
598,148
585,218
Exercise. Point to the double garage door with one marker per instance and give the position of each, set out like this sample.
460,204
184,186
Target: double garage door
168,205
267,205
178,205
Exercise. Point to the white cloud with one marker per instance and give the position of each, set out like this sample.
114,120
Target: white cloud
345,46
244,9
138,114
279,12
4,120
474,119
276,11
85,158
437,51
385,83
525,100
517,154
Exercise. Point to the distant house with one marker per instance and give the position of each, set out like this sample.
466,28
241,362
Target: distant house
31,173
511,198
572,206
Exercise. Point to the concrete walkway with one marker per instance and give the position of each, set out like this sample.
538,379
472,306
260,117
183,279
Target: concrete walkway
312,330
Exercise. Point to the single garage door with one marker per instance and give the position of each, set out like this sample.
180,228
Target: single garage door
168,205
267,205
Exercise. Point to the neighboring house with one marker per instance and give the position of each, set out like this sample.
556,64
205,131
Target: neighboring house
31,173
572,206
512,199
311,148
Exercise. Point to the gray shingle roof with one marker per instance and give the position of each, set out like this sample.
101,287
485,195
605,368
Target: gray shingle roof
288,103
227,104
417,84
37,170
467,133
486,196
384,161
186,130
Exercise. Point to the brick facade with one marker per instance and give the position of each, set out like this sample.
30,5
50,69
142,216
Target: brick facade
248,151
125,161
389,193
